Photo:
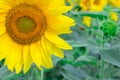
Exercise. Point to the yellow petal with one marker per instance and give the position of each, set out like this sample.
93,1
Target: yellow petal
57,3
27,60
18,66
60,25
87,21
45,54
2,19
43,4
2,30
46,5
5,45
31,1
35,54
114,16
13,57
51,49
57,11
46,45
58,52
13,3
57,41
4,6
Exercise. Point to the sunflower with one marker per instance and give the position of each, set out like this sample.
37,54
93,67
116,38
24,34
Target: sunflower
115,3
86,5
98,5
93,5
29,32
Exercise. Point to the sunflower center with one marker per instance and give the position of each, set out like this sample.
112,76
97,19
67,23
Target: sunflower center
25,24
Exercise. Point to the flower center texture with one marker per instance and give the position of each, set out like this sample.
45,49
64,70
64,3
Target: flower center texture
25,24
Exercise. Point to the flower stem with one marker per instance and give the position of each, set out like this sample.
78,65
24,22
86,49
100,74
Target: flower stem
42,74
38,73
102,64
102,69
109,71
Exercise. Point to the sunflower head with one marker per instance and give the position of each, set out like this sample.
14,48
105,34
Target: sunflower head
98,5
86,5
93,5
115,3
29,32
25,23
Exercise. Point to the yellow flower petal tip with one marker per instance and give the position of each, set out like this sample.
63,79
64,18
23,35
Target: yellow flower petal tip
86,21
30,30
114,16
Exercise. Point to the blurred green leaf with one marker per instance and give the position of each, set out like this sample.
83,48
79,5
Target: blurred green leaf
55,60
87,58
111,56
98,15
76,44
5,74
71,73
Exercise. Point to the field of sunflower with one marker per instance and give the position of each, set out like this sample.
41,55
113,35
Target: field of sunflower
59,40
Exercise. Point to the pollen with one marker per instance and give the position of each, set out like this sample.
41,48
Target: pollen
25,24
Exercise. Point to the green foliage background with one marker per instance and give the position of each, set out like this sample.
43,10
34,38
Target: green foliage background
95,54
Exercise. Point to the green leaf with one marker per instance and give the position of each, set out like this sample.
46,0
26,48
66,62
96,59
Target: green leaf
87,58
111,56
71,73
3,71
5,74
100,15
76,44
55,60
